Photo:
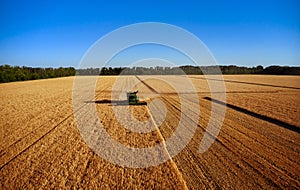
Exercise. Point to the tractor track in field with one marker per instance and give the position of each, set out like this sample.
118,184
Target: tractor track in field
256,115
262,161
170,158
217,140
43,174
160,135
250,83
255,154
26,147
230,143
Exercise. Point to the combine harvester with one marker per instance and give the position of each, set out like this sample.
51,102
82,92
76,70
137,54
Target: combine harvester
132,99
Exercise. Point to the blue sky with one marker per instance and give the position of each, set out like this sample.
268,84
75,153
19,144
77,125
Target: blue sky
58,33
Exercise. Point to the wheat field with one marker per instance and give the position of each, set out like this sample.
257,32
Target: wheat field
258,145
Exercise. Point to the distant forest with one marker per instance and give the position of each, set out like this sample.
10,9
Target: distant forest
15,73
191,70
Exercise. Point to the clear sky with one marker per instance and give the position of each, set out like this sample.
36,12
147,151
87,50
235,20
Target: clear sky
58,33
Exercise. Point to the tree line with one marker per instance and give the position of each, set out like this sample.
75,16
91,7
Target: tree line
9,73
191,70
15,73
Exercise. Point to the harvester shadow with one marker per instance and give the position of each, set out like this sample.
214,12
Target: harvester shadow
111,102
256,115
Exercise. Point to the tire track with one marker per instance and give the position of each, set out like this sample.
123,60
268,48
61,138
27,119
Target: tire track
256,115
9,151
161,136
262,157
52,165
250,83
260,161
165,147
264,162
178,109
50,121
241,131
2,165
